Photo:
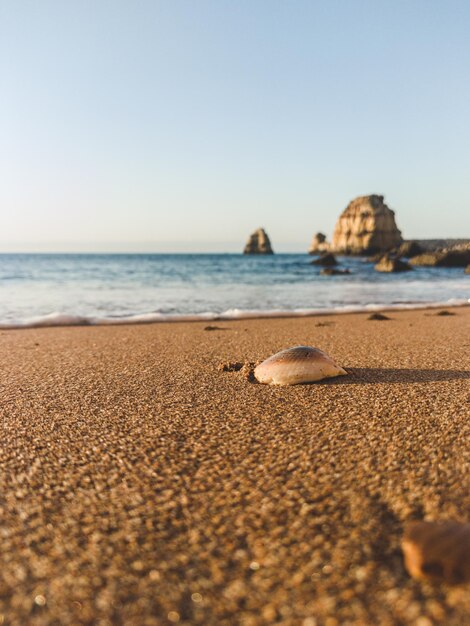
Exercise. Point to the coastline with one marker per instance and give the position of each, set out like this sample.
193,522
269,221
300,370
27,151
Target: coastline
137,289
65,319
142,485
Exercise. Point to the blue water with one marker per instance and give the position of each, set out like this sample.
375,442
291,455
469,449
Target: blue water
53,289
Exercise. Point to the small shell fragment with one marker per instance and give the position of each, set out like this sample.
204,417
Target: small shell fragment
437,551
301,364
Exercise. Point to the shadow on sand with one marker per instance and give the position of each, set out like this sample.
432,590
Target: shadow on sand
373,376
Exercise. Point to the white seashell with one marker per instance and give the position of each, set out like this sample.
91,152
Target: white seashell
301,364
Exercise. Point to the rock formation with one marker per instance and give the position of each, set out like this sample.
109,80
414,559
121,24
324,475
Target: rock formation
326,259
458,256
391,264
258,243
409,249
366,226
319,244
431,245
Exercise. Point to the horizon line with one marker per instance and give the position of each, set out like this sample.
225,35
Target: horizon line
171,247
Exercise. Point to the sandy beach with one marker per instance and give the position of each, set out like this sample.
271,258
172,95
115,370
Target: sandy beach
141,485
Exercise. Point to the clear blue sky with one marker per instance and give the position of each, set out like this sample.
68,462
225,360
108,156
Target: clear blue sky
184,125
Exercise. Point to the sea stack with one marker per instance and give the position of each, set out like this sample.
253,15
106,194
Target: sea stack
258,243
366,226
319,244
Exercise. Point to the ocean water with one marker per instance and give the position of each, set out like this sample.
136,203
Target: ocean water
62,289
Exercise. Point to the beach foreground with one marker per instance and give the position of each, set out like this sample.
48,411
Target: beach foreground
142,485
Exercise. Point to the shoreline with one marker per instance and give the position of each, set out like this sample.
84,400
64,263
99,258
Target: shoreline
61,320
141,484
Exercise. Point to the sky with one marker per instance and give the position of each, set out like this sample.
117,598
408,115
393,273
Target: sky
183,125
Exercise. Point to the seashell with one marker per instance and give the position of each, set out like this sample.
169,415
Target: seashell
301,364
437,551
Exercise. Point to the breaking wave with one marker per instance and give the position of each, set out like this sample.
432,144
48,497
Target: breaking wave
65,319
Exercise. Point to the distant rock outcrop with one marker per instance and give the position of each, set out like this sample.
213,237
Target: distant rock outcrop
258,243
326,259
442,259
319,244
366,226
391,264
458,256
431,245
409,249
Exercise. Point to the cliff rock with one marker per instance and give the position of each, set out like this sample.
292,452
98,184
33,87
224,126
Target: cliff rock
366,226
319,244
258,243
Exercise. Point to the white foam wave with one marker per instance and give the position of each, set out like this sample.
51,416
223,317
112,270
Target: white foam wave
64,319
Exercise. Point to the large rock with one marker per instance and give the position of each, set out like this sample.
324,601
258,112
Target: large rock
366,226
431,245
409,249
391,264
258,243
453,257
319,244
467,269
326,259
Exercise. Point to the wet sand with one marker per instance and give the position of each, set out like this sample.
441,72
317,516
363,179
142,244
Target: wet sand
142,486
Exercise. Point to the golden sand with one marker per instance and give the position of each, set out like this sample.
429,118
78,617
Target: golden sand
142,485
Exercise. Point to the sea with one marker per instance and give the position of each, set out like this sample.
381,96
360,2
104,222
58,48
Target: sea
80,289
